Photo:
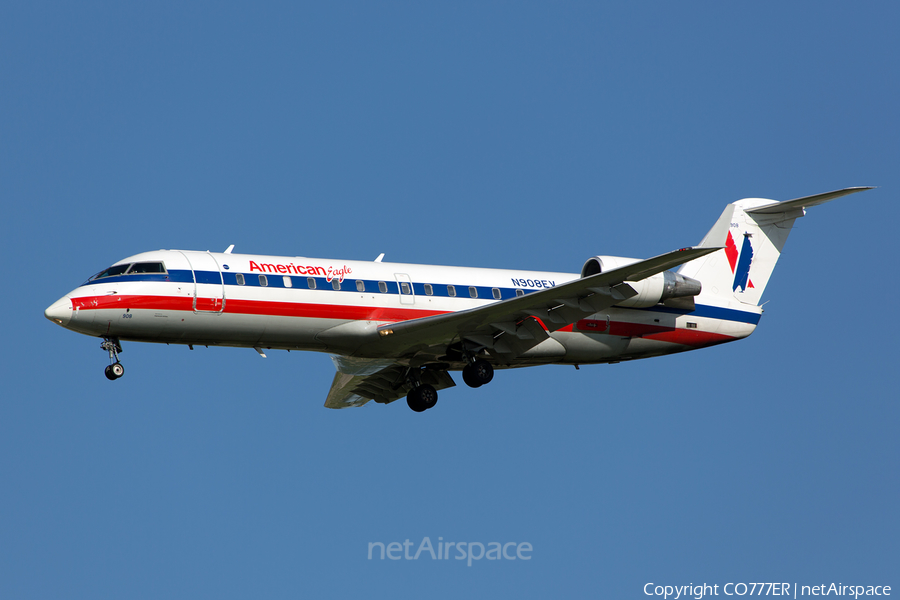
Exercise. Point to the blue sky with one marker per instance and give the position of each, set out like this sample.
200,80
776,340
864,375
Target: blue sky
487,134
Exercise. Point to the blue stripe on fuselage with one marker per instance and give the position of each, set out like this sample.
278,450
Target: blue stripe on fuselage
709,312
371,287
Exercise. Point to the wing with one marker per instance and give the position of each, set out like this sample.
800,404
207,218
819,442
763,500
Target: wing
512,327
359,380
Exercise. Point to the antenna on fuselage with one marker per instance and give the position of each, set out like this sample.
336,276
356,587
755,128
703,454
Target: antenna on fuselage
229,249
380,256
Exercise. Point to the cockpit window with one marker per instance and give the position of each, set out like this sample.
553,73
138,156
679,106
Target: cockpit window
130,269
147,267
110,272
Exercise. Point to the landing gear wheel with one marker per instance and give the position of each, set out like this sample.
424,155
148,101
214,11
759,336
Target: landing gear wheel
114,371
469,377
422,398
478,373
414,401
428,395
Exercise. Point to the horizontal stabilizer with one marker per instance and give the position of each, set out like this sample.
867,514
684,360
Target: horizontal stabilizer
805,202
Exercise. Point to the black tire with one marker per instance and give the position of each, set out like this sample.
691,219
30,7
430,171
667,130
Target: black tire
421,398
469,377
109,374
482,371
117,369
414,401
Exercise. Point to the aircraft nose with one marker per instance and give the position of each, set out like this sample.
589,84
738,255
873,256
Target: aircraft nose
60,312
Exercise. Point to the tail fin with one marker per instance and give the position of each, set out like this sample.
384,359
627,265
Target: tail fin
751,233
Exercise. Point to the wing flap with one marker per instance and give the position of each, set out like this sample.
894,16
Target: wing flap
357,381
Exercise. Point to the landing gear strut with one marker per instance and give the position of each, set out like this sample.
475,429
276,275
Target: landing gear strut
115,369
477,373
422,397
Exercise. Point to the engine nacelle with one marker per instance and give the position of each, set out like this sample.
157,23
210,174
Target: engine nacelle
650,291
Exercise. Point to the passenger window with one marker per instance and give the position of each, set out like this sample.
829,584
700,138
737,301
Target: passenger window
473,292
150,267
382,287
520,293
429,291
336,284
240,278
263,281
404,288
451,290
287,281
360,285
311,282
496,293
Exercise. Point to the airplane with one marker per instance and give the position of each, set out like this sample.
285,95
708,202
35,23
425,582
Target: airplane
396,330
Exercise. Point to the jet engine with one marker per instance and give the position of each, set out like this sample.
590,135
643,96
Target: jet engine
650,291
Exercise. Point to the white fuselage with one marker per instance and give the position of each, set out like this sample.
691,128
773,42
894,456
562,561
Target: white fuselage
289,303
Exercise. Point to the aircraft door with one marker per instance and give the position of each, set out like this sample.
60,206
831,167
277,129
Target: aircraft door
209,286
407,294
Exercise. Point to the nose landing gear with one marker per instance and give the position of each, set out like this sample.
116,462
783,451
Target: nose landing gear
115,369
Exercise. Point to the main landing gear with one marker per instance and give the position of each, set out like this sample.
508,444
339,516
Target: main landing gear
477,373
115,369
422,397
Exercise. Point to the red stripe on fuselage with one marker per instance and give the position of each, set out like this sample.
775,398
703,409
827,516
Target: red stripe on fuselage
620,328
690,337
114,301
687,337
257,307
